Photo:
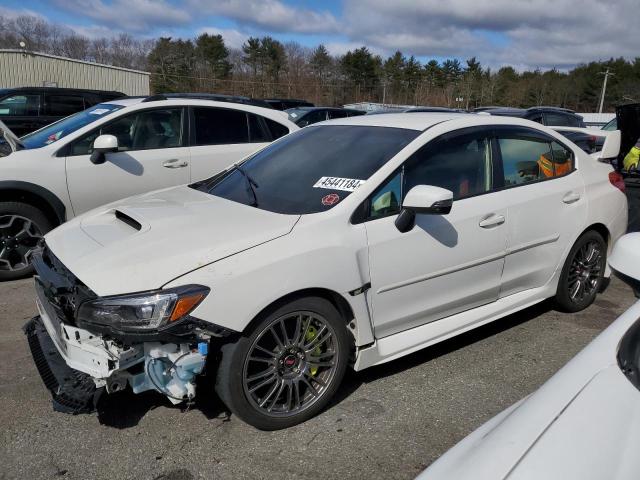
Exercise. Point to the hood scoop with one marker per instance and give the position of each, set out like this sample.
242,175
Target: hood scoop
132,222
113,225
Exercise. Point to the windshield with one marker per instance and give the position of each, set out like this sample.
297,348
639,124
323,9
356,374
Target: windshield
612,125
295,113
311,170
54,132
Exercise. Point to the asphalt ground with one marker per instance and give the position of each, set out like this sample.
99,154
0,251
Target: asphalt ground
388,422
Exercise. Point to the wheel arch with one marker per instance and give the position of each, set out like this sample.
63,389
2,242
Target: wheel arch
35,195
336,299
602,229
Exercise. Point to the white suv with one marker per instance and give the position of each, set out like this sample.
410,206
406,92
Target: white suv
356,240
114,150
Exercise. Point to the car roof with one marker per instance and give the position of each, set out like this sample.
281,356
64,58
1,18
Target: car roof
422,121
413,121
278,115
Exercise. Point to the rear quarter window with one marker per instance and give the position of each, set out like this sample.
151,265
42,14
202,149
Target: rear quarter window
276,129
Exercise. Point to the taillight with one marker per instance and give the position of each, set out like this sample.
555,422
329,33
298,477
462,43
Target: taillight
617,180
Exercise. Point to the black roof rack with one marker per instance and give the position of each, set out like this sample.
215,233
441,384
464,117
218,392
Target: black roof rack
217,97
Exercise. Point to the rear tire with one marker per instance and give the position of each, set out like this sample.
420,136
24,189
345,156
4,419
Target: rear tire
287,367
582,275
22,226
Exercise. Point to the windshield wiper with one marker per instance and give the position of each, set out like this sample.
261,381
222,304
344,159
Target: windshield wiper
251,184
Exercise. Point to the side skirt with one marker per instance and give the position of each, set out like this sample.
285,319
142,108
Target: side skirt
397,345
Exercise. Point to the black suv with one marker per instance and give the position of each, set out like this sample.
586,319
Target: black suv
26,109
550,116
304,116
287,103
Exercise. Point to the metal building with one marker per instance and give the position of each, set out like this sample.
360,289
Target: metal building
19,68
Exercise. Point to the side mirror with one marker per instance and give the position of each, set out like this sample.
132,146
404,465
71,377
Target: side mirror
423,199
625,260
102,145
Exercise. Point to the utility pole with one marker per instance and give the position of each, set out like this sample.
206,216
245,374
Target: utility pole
604,88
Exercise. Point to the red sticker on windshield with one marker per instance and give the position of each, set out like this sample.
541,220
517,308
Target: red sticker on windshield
330,199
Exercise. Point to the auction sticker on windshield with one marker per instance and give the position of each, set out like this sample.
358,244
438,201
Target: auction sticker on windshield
338,183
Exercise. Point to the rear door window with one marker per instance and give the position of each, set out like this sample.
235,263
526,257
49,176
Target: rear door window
258,132
220,126
526,157
556,119
277,129
337,114
63,105
20,105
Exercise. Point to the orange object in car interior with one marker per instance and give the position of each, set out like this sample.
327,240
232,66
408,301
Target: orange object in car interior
550,169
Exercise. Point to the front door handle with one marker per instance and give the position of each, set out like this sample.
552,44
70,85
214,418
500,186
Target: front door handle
571,197
491,221
175,163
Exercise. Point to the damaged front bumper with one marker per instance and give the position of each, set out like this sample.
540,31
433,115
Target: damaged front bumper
78,365
72,391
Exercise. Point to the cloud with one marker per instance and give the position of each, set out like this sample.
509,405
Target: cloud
540,33
13,14
269,15
135,16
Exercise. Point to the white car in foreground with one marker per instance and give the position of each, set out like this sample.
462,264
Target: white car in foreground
583,424
114,150
354,241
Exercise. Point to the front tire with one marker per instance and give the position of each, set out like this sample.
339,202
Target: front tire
582,275
22,226
286,369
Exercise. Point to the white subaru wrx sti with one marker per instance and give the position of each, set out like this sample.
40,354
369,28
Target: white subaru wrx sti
354,241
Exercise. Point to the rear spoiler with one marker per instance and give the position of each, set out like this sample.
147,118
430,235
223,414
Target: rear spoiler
610,148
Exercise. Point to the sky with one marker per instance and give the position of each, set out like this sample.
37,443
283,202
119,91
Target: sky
526,34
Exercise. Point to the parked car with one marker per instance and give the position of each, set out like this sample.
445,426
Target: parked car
433,110
353,241
581,424
304,116
612,125
551,116
25,110
114,150
287,103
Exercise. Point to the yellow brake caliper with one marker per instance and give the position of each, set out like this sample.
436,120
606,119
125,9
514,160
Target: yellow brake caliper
312,332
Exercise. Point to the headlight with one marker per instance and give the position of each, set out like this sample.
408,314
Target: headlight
142,312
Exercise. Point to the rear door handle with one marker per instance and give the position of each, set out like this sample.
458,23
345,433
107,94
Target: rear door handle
571,197
491,221
175,163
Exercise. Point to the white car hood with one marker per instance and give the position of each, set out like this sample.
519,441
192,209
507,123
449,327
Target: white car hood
143,242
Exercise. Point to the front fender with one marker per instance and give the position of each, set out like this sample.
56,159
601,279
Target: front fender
244,284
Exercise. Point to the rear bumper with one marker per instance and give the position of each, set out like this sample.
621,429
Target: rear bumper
72,391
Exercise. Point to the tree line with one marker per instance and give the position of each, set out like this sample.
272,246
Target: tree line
265,67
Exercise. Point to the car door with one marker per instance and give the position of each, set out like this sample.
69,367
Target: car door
547,208
20,112
223,136
447,263
151,155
